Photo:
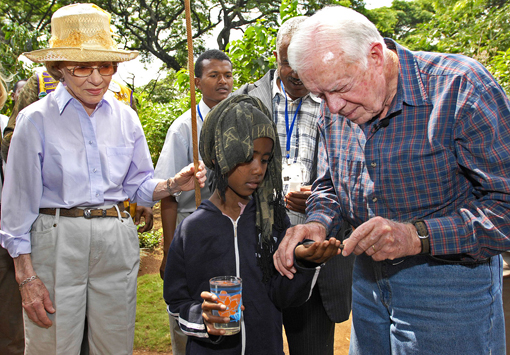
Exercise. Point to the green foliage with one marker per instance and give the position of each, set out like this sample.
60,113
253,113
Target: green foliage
155,119
499,66
24,27
252,55
17,39
151,327
471,27
476,28
159,104
399,20
150,239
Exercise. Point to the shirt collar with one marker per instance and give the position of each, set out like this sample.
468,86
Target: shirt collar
63,97
410,89
278,91
204,109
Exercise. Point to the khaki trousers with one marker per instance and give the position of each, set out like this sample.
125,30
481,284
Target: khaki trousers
89,267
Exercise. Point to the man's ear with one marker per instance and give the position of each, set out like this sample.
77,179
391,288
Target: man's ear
275,53
376,54
197,83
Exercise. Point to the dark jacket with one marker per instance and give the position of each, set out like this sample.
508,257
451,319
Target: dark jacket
205,245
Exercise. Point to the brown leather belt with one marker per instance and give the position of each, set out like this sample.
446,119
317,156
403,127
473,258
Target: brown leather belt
87,212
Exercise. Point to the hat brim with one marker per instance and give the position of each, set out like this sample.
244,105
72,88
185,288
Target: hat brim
70,54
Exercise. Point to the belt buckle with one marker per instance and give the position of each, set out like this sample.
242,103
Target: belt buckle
87,213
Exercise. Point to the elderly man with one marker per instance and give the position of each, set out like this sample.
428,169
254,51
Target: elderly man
310,328
416,156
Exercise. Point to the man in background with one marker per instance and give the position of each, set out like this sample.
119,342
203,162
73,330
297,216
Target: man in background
16,90
310,328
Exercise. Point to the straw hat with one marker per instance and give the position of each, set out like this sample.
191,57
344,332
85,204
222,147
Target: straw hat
81,33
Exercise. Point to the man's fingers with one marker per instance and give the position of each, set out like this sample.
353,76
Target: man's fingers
356,242
138,216
280,267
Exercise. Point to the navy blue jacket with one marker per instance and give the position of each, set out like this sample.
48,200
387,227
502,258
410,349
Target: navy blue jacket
208,244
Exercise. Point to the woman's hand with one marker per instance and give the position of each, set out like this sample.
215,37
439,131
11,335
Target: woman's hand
184,179
34,295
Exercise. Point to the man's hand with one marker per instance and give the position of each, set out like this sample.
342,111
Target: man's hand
284,256
296,200
318,252
383,239
146,213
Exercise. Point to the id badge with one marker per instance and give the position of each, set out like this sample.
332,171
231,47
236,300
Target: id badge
292,175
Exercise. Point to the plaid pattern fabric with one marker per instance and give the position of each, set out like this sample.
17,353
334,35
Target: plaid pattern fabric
444,158
304,134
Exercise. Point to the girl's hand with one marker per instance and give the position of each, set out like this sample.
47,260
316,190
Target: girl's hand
318,252
211,302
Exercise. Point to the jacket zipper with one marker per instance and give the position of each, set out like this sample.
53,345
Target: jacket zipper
238,274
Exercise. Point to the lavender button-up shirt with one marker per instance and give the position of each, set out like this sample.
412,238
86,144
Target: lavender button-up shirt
60,157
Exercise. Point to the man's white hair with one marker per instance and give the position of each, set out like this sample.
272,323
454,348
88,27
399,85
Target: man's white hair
337,28
288,29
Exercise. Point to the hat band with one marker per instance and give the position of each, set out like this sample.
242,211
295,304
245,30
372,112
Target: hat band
77,39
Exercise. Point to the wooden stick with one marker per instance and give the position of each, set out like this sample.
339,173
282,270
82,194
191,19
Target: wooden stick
191,69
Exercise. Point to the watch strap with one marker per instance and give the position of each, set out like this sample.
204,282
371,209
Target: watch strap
423,234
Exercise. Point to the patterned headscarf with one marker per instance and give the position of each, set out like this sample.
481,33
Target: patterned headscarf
226,140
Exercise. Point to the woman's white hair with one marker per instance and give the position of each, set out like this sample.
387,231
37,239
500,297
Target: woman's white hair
340,29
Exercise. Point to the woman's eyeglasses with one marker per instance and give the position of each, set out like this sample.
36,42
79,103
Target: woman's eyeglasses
83,72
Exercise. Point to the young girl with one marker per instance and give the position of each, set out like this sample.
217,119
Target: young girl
235,233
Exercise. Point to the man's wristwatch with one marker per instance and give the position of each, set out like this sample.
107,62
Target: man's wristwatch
423,234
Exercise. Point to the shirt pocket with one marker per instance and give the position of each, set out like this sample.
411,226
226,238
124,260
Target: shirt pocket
119,160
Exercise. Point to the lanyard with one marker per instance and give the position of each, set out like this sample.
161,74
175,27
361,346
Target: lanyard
200,113
291,128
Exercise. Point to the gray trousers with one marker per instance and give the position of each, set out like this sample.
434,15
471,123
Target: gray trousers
89,267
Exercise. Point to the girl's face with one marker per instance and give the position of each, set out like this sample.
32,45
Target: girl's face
244,179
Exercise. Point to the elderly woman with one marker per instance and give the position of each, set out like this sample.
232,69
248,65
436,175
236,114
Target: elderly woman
75,156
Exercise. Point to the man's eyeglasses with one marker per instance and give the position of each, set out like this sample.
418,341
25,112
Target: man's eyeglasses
83,72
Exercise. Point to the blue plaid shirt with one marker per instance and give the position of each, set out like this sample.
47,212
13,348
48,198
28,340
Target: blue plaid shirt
444,158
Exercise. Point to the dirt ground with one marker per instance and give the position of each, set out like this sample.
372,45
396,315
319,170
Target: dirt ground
150,261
